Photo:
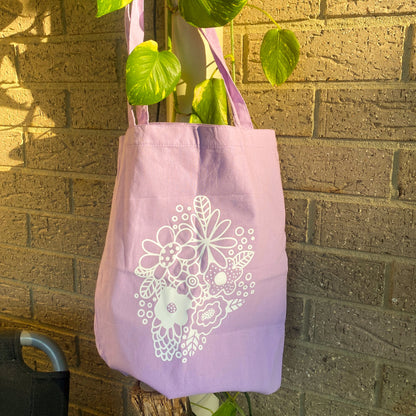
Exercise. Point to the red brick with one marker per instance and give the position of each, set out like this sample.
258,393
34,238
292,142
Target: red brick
88,272
407,175
85,153
336,277
92,197
74,61
294,317
369,7
99,108
371,228
398,393
338,375
274,404
30,266
386,335
403,287
296,219
316,405
11,150
81,19
14,300
38,18
21,190
368,114
96,394
13,228
287,112
347,54
63,310
92,363
280,10
8,72
342,170
68,235
34,107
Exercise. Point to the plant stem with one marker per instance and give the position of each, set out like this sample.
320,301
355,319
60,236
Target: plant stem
250,411
232,50
169,8
264,12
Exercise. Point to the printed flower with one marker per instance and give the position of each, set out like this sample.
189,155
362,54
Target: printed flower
210,315
167,252
172,308
190,284
222,279
210,240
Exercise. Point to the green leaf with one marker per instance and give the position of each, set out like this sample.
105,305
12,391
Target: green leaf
209,104
108,6
210,13
279,54
151,75
226,409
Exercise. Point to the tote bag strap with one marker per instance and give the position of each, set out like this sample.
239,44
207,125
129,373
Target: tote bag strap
134,26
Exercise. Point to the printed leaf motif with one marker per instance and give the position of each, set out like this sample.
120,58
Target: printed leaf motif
235,304
192,343
202,207
151,287
242,259
143,273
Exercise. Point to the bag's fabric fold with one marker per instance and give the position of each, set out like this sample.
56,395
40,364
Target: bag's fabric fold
191,292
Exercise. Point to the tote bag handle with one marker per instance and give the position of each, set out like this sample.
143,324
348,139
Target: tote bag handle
134,27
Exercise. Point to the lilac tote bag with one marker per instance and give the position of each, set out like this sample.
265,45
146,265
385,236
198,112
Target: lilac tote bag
191,292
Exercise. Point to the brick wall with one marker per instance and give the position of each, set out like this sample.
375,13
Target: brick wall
346,132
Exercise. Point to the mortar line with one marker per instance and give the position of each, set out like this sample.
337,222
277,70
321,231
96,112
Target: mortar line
119,62
359,405
378,386
351,304
302,403
46,252
68,115
71,202
323,7
63,17
407,53
17,63
388,285
28,231
75,277
351,354
349,199
394,178
315,118
311,221
305,336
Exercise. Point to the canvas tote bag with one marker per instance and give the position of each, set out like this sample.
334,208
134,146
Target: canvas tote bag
191,292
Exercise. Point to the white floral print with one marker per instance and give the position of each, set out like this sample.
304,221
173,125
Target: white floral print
165,254
192,277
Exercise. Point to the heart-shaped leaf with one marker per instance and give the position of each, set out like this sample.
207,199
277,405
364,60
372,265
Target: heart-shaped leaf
151,75
209,104
228,408
210,13
279,54
108,6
